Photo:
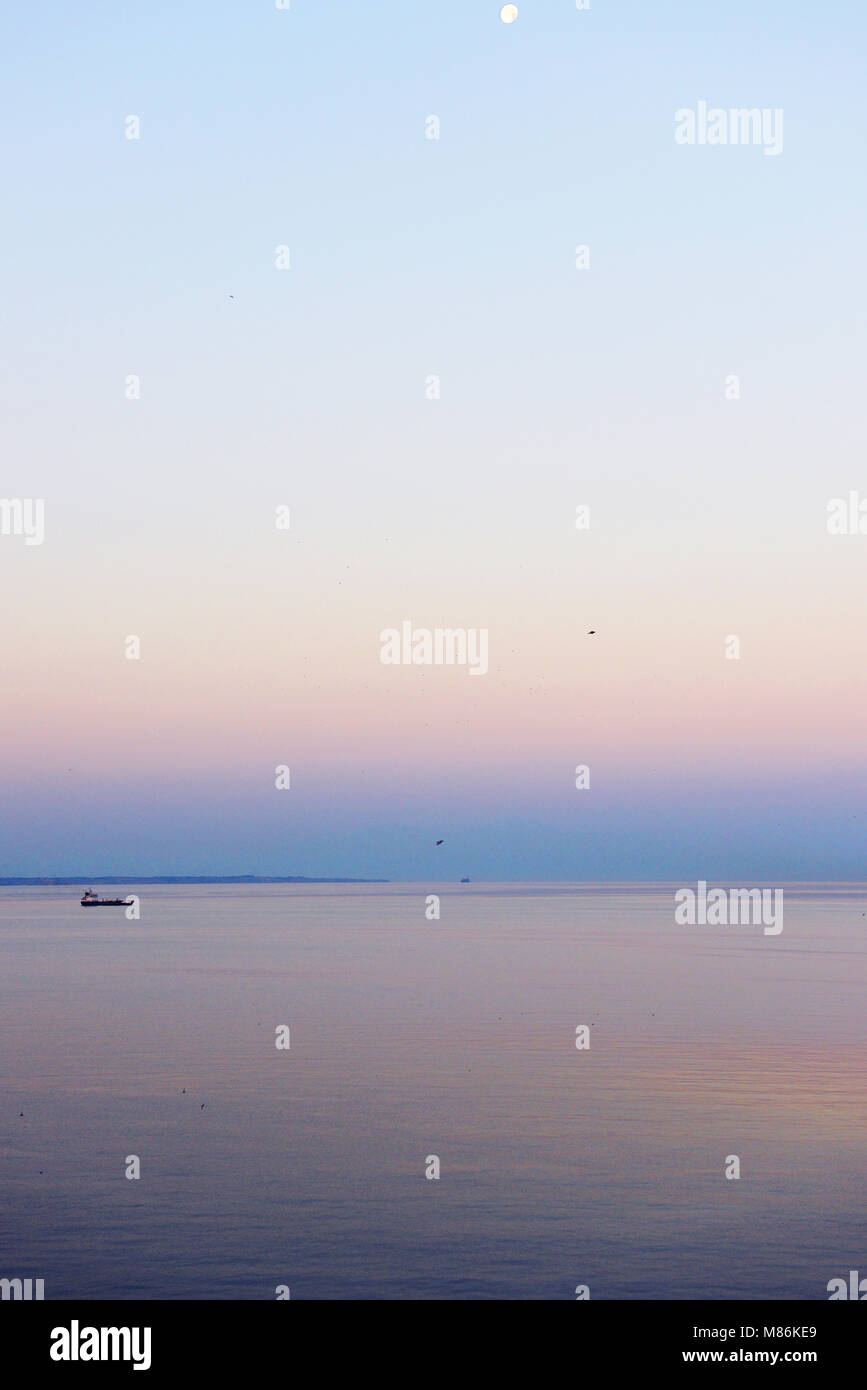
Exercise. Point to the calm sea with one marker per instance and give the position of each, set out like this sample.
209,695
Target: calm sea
410,1038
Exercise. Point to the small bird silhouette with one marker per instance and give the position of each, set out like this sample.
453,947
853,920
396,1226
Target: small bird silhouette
592,632
202,1106
439,842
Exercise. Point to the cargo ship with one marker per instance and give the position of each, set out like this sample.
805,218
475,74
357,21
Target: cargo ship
91,900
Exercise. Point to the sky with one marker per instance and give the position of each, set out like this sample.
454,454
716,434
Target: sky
432,387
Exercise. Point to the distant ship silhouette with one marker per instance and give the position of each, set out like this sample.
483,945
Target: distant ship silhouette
91,900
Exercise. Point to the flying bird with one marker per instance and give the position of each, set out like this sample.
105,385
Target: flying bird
592,632
439,842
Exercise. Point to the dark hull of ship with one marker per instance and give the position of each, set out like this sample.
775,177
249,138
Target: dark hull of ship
109,902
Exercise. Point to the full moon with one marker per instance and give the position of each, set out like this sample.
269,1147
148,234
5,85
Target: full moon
509,13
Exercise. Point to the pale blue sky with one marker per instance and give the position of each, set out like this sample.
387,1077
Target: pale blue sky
261,127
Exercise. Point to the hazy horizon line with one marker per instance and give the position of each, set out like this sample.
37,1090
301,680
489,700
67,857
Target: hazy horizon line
78,880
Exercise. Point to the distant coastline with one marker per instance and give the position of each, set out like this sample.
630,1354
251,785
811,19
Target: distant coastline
166,878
